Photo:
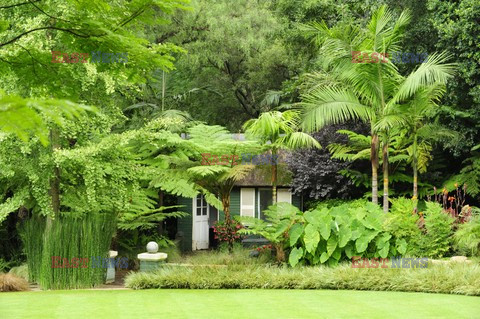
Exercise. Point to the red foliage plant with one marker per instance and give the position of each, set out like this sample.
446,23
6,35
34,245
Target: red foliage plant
228,231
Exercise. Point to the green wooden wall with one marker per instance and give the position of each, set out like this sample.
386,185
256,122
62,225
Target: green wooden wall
185,224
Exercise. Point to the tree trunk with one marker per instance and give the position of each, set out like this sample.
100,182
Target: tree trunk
415,172
228,219
385,177
55,181
274,177
160,227
374,160
280,253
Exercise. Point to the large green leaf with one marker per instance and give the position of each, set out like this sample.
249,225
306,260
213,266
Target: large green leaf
311,238
384,251
362,243
344,235
401,246
295,255
337,253
331,245
349,251
383,240
325,227
323,257
295,232
316,216
373,222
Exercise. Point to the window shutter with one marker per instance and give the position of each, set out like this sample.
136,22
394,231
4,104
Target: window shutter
247,202
284,195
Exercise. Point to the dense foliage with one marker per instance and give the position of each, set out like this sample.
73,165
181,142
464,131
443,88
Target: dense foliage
317,175
94,154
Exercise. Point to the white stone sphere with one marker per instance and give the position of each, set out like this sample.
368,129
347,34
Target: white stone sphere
152,247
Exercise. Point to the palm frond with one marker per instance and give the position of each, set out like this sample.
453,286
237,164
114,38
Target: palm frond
298,140
331,106
434,70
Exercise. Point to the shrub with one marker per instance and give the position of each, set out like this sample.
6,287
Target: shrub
10,282
335,234
455,278
467,237
318,175
403,223
228,232
438,231
238,256
280,218
4,265
20,271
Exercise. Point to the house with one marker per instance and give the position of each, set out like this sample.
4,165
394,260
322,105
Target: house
249,197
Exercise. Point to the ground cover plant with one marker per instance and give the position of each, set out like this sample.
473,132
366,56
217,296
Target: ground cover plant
455,278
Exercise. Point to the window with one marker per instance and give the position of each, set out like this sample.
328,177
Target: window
284,195
247,202
201,206
265,200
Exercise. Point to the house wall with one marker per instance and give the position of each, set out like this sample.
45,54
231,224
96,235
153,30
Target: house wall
185,224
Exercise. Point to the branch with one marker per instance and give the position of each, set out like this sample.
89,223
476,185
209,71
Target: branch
48,15
18,4
133,16
42,28
240,98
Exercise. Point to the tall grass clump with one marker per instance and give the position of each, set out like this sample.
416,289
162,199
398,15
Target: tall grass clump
32,231
11,282
69,237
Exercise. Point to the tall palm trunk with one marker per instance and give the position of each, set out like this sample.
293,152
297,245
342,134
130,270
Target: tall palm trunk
374,161
385,177
274,177
415,170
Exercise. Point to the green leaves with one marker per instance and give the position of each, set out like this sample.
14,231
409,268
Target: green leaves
323,257
344,236
331,245
321,220
347,230
27,117
295,232
361,243
295,255
311,238
401,246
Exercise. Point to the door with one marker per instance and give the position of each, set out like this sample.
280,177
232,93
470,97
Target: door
200,223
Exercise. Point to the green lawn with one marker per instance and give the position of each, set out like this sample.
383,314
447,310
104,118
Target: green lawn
235,304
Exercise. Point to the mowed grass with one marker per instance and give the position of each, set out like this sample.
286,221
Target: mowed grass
157,303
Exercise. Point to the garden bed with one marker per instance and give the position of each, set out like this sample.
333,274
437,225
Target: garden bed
455,278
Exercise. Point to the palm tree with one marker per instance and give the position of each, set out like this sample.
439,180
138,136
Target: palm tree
418,128
366,91
278,130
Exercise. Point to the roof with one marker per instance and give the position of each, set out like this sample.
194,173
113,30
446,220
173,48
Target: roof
261,175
